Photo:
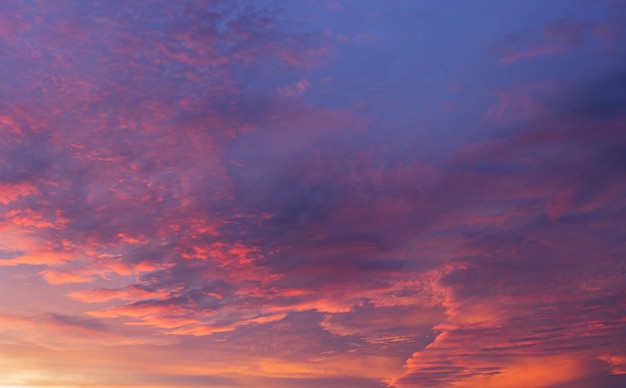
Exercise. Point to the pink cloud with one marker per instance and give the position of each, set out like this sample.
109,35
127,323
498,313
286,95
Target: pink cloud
518,103
559,36
128,293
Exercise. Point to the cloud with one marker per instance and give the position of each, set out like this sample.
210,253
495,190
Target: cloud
521,302
558,37
176,183
131,292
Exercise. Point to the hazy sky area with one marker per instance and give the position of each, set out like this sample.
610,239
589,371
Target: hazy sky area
313,194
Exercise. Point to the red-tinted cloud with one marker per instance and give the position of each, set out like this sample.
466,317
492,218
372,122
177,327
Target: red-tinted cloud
230,194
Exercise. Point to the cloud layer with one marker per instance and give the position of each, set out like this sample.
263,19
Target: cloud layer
234,193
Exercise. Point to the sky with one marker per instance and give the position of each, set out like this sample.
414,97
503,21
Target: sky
311,193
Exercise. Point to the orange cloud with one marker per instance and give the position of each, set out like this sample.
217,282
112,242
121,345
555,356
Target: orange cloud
63,277
128,293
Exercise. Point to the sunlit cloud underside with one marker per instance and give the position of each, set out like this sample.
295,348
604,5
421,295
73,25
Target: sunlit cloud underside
294,194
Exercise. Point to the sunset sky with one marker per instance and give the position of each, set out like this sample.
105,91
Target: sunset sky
313,194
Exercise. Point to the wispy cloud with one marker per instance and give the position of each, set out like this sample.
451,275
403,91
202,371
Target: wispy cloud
235,194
